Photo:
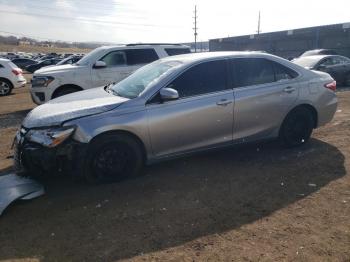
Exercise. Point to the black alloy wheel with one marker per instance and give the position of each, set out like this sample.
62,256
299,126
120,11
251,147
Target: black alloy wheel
112,158
297,127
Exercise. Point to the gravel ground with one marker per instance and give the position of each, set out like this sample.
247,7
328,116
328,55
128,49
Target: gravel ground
256,202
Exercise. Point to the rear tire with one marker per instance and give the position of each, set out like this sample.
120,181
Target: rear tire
297,127
112,158
64,91
5,87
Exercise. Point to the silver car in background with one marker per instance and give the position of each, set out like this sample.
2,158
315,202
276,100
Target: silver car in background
172,107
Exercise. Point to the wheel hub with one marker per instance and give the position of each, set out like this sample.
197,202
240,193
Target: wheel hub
111,161
4,88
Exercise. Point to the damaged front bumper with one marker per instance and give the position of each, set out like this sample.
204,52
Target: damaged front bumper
37,160
13,187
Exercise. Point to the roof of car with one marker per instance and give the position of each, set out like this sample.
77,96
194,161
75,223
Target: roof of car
315,57
192,57
4,60
131,46
318,50
15,59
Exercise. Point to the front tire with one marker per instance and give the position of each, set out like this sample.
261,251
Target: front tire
297,127
64,91
5,87
112,158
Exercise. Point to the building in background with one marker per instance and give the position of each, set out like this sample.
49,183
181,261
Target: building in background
290,43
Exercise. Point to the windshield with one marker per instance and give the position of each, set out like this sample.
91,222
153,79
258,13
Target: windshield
87,58
62,62
136,83
311,52
308,61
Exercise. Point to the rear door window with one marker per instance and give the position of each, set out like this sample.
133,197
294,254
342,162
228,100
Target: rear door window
343,60
177,51
207,77
140,56
252,71
338,60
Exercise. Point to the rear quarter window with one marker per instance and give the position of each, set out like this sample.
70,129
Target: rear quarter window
12,65
177,51
140,56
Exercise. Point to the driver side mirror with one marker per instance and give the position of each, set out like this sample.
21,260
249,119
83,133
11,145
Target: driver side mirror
99,64
168,94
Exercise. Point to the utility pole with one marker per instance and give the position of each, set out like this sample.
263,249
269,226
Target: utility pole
258,24
195,28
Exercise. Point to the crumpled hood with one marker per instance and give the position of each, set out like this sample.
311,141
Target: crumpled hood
79,104
57,69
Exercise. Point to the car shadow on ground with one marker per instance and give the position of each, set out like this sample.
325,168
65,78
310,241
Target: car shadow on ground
13,119
173,203
343,88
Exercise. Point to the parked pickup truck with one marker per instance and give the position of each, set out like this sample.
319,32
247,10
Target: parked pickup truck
102,66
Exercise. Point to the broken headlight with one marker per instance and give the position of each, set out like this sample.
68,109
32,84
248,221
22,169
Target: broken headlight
50,137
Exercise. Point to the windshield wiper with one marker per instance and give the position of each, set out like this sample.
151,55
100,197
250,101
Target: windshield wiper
114,92
109,89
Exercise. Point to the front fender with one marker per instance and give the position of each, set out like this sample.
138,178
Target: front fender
134,122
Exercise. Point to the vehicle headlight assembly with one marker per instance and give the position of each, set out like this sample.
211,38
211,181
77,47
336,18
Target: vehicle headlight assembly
51,137
42,81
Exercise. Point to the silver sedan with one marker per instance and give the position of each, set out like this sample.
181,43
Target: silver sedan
173,107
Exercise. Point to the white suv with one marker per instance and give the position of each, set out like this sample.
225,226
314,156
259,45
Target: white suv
100,67
10,77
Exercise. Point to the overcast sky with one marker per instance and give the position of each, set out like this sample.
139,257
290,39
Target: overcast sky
126,21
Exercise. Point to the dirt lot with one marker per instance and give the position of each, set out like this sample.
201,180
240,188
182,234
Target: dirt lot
257,202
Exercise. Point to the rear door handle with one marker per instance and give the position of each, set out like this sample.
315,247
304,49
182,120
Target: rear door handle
289,89
223,102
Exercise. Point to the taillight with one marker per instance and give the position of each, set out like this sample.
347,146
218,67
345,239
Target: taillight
17,71
332,85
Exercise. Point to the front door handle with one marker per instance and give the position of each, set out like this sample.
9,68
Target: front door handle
223,102
289,89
